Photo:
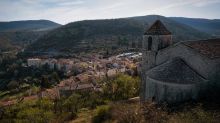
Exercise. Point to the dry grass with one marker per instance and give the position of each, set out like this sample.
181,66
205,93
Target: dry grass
126,113
84,116
149,112
195,115
153,113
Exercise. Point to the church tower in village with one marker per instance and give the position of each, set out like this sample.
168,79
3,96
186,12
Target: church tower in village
155,38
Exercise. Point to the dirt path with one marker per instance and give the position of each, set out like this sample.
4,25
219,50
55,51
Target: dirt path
11,102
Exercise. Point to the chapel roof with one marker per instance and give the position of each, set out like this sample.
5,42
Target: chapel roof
157,28
175,71
209,48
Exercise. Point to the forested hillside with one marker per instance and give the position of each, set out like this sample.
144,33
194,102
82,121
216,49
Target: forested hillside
206,25
28,25
22,33
107,34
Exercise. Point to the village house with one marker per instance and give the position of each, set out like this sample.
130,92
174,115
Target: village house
100,74
68,90
111,72
65,65
52,63
83,78
51,93
67,82
36,62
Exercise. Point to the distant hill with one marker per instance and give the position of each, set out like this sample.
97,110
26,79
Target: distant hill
205,25
107,34
25,32
28,25
179,31
22,38
88,35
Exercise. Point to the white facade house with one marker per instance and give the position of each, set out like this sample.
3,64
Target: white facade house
36,62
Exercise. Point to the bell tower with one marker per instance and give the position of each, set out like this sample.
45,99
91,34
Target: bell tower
157,37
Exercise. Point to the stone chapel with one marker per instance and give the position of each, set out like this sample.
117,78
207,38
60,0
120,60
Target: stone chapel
176,72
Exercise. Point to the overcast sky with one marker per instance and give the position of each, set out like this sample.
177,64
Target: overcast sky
65,11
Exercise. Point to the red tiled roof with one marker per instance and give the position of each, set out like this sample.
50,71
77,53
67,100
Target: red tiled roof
209,48
157,29
84,86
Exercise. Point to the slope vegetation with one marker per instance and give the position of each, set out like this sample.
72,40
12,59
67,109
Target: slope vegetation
108,34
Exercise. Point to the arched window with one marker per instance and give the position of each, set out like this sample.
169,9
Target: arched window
149,43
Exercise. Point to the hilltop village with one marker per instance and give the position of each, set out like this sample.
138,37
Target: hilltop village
83,73
148,86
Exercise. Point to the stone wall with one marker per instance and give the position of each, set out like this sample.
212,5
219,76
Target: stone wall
158,41
170,92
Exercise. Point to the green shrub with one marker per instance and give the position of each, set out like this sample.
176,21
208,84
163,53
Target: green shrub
45,104
122,87
73,104
12,85
91,99
102,114
34,115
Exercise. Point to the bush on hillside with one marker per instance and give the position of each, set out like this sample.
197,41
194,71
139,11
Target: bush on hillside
121,88
102,114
